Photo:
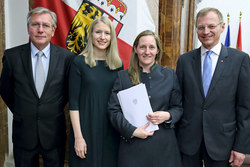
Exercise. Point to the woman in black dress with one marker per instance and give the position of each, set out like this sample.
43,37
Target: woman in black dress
138,147
93,141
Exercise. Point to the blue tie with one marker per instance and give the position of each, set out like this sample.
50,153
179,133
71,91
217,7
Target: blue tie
207,72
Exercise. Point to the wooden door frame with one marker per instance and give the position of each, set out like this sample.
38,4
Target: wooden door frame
170,29
3,108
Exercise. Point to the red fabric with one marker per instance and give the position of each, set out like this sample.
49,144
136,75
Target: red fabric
124,52
239,41
65,15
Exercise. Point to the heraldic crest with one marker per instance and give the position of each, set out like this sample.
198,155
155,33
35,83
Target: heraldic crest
77,36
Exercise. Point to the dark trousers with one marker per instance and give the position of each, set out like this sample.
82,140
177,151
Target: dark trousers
30,158
201,157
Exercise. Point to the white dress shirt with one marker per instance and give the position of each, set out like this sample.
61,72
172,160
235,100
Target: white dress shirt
214,56
45,59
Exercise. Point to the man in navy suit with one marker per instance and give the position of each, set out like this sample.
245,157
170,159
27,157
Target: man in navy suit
37,96
215,127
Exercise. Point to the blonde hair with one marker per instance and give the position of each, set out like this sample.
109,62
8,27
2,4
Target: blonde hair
134,69
112,57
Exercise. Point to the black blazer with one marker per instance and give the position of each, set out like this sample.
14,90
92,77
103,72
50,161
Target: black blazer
161,149
35,119
223,117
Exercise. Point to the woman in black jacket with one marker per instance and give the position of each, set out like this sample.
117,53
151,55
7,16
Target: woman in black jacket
137,146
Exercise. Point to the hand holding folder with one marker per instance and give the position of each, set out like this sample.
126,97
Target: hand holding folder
135,106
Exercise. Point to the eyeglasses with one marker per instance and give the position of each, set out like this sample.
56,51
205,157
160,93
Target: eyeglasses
210,27
37,25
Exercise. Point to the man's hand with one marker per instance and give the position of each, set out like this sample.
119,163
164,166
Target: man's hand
236,159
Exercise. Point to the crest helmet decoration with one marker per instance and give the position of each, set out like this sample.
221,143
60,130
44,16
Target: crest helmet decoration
77,36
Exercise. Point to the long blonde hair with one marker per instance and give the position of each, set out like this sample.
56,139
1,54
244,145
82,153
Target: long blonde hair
134,69
112,58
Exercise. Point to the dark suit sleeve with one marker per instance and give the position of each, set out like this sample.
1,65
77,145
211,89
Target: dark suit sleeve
175,109
6,84
242,141
179,73
118,121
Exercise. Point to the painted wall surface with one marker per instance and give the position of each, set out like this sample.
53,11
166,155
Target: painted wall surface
15,22
234,8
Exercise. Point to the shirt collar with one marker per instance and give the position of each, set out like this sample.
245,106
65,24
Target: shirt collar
152,68
34,50
216,49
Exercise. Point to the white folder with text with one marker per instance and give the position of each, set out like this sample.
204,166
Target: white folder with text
135,106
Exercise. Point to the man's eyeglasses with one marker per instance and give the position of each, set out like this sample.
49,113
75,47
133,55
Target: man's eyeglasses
37,25
210,27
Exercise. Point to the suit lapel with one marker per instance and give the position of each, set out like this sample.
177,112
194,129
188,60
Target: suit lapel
52,65
27,65
221,63
197,69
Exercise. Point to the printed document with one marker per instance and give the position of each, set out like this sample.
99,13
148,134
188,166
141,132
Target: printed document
135,106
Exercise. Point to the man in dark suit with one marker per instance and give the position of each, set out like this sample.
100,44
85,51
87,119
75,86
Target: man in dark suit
215,85
35,90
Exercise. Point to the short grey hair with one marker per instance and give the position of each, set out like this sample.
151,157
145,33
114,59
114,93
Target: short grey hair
205,11
41,10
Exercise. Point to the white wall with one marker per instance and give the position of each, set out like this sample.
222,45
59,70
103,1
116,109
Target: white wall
15,34
15,22
232,7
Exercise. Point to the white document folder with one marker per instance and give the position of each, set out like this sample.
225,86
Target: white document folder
135,106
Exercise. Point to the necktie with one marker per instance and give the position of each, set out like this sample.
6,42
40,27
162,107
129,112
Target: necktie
207,72
39,74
